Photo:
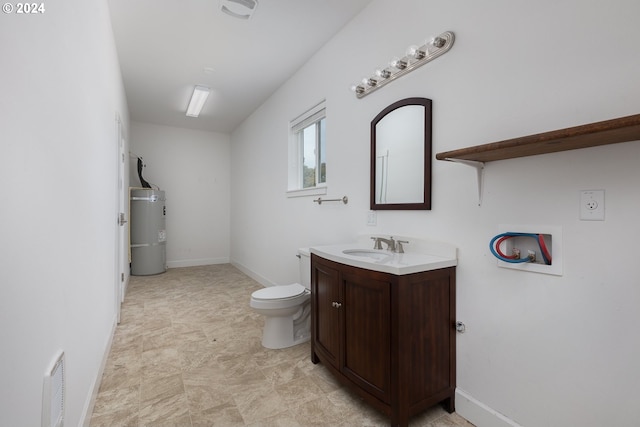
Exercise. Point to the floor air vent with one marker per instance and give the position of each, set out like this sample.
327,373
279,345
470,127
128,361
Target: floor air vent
53,394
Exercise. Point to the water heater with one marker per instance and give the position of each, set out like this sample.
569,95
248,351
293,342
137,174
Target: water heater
148,232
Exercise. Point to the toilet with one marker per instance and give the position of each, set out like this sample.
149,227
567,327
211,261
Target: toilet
286,309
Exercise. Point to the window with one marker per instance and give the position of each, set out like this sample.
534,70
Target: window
307,153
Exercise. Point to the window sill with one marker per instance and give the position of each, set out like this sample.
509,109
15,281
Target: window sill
315,191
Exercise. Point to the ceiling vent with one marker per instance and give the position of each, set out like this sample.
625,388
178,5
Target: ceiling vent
241,9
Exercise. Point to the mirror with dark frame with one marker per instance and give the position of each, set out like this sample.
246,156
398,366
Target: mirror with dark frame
401,156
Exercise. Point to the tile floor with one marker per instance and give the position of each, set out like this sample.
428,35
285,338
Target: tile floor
187,353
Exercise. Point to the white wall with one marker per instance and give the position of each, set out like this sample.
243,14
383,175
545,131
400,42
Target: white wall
61,89
541,350
193,168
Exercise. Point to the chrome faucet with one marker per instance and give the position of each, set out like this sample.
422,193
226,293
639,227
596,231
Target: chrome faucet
377,244
392,245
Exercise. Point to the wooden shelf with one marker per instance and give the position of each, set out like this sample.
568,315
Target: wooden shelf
622,129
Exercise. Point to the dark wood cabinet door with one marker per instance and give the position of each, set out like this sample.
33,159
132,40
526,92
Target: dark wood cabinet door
366,348
326,326
392,338
430,333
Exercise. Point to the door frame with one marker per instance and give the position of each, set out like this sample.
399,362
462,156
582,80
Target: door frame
122,253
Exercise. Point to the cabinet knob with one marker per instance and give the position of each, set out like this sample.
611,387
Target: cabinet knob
336,304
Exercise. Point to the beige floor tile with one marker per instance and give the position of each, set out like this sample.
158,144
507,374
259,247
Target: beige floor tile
285,419
298,391
259,403
118,418
188,353
158,338
450,420
117,407
318,412
160,362
127,338
123,370
160,388
206,389
166,411
223,412
323,378
282,373
200,358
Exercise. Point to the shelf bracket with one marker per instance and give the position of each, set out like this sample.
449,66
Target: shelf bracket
479,166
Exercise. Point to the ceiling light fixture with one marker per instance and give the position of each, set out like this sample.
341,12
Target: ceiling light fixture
199,97
241,9
415,57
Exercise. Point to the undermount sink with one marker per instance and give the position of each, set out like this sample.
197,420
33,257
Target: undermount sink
367,253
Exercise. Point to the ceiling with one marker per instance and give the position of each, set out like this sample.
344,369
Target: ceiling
166,47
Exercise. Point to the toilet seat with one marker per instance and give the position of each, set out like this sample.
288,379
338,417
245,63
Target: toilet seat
279,292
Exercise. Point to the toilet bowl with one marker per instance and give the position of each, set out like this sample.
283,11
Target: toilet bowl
286,309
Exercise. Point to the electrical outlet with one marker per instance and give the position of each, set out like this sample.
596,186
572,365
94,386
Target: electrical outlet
592,205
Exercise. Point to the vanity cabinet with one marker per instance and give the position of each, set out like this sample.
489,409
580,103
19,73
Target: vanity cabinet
391,338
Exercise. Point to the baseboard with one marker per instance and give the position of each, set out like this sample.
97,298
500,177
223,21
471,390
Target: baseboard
258,278
90,404
480,414
196,262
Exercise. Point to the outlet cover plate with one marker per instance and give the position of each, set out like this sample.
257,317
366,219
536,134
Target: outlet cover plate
592,205
372,218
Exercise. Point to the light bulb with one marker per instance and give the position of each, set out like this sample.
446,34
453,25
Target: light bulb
415,52
437,41
368,81
357,89
398,63
383,74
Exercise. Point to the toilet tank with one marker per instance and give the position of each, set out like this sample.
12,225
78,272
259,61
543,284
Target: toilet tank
304,260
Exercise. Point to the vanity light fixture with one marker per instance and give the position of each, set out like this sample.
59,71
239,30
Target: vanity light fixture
414,58
199,97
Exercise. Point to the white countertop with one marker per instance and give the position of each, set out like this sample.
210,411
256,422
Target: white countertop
420,255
